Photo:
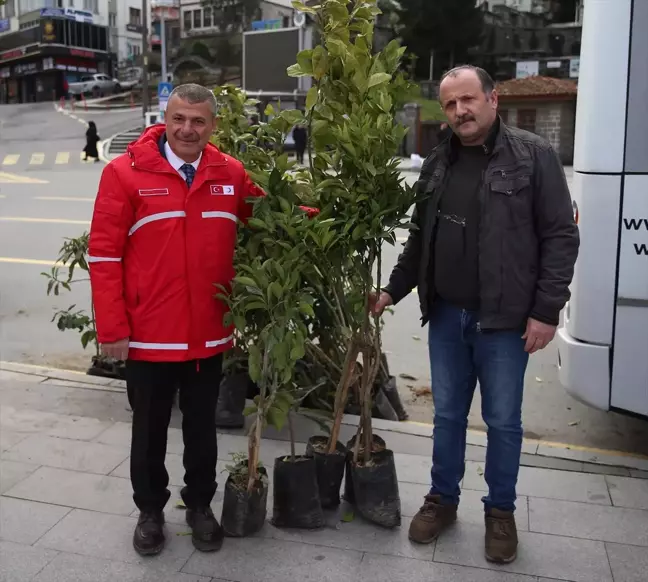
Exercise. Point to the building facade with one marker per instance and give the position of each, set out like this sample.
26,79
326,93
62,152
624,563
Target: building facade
45,44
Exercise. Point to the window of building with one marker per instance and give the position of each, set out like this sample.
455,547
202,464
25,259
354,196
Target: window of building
504,114
91,5
207,17
112,20
526,119
187,20
135,16
197,18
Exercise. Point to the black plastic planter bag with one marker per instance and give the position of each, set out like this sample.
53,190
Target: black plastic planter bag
330,469
244,513
349,493
296,495
376,490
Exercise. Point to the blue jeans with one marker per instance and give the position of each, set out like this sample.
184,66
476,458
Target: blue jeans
461,354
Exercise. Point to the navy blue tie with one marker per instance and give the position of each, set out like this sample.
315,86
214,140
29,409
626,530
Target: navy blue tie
189,172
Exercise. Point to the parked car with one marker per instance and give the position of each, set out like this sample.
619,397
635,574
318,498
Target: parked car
96,85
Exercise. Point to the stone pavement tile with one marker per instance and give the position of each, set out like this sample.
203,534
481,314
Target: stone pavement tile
51,423
629,563
10,438
175,513
411,495
67,454
627,492
20,563
255,559
357,535
75,568
25,521
12,472
120,435
603,458
606,470
538,555
6,375
587,521
413,468
74,489
376,568
111,537
549,483
638,474
527,460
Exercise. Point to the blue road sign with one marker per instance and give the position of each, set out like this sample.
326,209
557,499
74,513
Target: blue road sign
164,90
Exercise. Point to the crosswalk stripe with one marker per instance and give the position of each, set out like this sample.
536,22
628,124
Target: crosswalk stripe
64,198
49,220
6,178
18,261
11,160
62,158
37,159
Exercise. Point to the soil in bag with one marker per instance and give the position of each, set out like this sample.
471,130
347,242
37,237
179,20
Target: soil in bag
244,512
296,494
329,468
378,445
375,486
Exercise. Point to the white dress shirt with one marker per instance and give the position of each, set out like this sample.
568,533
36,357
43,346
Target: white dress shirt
176,162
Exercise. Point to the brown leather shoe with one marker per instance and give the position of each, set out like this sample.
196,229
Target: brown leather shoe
431,520
501,536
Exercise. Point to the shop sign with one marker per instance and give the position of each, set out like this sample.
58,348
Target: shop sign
26,68
12,54
48,31
4,24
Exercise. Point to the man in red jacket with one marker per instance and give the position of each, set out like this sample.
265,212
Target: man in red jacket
163,236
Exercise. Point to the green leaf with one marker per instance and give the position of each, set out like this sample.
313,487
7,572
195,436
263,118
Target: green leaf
378,79
305,61
254,363
276,417
257,223
269,110
302,7
247,281
249,410
311,98
348,516
296,71
306,309
276,289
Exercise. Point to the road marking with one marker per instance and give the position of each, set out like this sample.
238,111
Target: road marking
11,160
6,178
37,159
62,158
48,220
18,261
2,196
64,198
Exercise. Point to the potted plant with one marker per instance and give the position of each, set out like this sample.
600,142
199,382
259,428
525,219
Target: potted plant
355,139
72,255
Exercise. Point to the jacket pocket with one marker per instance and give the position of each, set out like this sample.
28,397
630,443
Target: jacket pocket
512,198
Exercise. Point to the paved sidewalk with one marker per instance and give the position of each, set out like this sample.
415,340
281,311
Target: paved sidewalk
66,512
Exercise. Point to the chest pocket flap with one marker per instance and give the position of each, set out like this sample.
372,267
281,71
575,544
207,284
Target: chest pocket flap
511,186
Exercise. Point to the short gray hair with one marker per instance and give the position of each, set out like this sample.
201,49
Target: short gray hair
487,83
194,93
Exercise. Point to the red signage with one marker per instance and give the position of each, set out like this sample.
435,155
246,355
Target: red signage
14,54
81,53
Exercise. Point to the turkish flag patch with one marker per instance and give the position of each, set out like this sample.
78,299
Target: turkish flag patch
219,190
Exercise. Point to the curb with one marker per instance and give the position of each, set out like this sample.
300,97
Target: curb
103,147
572,455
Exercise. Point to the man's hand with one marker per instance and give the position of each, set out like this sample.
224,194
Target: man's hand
538,335
377,304
116,350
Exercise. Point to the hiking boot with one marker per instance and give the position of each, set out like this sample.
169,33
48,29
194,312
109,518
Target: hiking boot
501,536
431,520
148,539
207,534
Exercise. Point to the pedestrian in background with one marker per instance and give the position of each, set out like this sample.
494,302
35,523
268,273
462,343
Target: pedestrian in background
300,137
493,257
163,235
92,138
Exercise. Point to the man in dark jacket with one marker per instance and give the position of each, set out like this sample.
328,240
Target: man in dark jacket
492,256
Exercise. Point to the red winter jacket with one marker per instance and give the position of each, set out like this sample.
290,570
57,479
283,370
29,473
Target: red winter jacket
157,249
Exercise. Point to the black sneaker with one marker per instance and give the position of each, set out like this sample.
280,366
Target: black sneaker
207,534
148,539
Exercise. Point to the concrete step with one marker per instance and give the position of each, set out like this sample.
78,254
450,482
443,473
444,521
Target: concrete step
120,142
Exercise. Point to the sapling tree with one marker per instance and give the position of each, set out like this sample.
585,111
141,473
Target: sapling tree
355,139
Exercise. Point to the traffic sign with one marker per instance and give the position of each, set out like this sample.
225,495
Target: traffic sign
164,91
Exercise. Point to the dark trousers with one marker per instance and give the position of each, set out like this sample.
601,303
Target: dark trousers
151,389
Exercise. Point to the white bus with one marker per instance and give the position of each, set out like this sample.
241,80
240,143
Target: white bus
603,344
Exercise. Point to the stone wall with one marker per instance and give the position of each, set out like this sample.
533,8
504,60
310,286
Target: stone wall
555,121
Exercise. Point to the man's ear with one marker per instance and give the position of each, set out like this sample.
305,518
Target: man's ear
494,98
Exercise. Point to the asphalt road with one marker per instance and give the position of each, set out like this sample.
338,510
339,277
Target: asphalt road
43,202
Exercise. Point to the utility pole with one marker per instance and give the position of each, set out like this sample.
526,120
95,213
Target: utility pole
145,85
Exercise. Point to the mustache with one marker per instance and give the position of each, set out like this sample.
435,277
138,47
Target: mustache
465,119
